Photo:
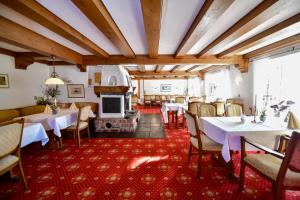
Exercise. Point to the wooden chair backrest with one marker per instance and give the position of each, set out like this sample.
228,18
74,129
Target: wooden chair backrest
193,127
147,98
234,110
194,107
179,99
157,98
208,110
10,136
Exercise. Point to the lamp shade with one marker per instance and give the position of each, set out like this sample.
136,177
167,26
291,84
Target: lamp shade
54,81
293,122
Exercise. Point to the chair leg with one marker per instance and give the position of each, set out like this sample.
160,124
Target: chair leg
78,137
22,176
242,177
199,164
60,142
190,152
88,132
277,192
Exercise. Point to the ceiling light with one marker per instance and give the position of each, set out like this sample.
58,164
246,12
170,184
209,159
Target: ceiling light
54,78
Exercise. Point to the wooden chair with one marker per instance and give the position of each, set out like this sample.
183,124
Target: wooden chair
193,99
147,100
81,124
207,110
163,98
220,108
203,99
194,107
283,171
234,110
198,140
152,98
157,100
179,99
10,150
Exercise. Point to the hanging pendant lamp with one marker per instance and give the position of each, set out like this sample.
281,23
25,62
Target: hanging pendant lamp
54,78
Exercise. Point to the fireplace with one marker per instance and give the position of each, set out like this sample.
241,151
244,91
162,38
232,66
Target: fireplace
112,106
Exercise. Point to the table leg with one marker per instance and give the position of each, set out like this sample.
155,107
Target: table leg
176,119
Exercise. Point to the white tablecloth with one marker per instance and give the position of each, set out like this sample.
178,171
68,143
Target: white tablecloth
180,108
62,120
227,131
34,132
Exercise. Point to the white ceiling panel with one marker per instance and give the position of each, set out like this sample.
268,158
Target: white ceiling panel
186,67
284,33
150,67
200,67
75,18
28,23
267,24
129,17
235,12
131,68
177,17
12,47
168,67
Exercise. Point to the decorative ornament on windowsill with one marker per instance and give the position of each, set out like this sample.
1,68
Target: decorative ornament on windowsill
263,115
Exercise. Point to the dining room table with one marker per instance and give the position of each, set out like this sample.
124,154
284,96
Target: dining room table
34,132
177,108
227,131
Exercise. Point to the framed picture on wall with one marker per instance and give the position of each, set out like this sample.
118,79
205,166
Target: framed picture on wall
4,83
76,91
165,87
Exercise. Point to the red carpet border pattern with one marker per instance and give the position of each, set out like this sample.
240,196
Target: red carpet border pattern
128,169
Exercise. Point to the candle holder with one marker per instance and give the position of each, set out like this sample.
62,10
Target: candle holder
254,117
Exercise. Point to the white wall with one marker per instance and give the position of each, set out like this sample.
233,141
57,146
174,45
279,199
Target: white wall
73,74
179,86
23,84
242,86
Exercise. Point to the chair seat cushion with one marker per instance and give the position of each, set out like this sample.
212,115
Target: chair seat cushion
7,161
207,143
269,165
82,125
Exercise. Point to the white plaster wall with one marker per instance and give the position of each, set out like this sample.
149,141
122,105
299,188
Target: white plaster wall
242,86
179,86
23,84
73,74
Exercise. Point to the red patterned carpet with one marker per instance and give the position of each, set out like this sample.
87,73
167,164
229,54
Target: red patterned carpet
128,169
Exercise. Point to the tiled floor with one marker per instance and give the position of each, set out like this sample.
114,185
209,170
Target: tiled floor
149,126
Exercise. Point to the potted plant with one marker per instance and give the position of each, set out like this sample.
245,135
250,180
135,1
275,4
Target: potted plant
263,115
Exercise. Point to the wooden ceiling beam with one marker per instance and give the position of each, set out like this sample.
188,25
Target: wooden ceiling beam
177,68
18,35
192,68
207,16
97,13
259,15
162,73
7,52
266,35
282,44
152,10
159,68
214,68
160,60
36,12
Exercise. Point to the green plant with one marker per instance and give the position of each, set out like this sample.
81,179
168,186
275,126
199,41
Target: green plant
41,100
53,91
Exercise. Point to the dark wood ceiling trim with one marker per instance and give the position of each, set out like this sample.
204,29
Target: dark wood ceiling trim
36,12
252,19
159,68
18,35
97,13
269,49
207,16
152,19
7,52
266,35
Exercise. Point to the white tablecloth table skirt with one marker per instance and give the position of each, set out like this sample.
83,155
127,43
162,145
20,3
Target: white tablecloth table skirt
172,107
34,132
228,131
